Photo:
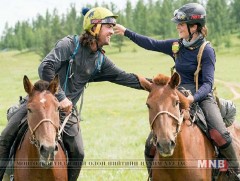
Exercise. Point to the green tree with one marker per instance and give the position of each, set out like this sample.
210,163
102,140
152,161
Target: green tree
19,41
57,30
217,20
235,15
167,27
128,16
71,20
140,18
47,42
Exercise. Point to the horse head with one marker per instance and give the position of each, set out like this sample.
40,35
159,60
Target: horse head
43,117
165,103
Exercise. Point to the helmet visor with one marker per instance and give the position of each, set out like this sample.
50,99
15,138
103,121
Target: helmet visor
180,16
108,20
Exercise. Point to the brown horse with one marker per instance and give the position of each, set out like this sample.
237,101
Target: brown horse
181,147
41,157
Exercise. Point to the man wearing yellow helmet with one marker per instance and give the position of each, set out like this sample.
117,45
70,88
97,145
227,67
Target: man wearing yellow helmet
89,64
97,17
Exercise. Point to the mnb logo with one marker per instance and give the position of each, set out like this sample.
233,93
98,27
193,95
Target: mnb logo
221,164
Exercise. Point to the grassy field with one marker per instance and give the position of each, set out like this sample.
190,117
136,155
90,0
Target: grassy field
115,123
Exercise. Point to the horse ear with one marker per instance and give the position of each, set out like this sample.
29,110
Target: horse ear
175,80
145,83
28,86
54,85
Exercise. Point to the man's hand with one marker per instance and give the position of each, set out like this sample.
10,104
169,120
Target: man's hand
119,29
66,106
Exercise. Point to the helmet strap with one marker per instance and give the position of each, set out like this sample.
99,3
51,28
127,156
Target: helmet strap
190,34
95,33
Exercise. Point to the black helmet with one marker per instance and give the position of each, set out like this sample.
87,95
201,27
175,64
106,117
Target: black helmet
191,13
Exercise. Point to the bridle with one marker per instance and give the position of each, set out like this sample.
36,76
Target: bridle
33,138
179,119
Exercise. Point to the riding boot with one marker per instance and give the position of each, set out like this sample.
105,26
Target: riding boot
72,139
231,156
5,146
75,156
8,136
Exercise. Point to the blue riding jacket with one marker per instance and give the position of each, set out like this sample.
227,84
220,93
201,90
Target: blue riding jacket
185,62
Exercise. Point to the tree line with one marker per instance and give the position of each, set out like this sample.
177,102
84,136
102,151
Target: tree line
151,18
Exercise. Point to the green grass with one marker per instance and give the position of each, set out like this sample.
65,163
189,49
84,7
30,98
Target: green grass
115,123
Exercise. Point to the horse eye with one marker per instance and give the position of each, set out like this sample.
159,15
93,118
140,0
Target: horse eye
29,110
177,102
148,106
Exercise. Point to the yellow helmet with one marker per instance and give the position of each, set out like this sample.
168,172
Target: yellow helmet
98,15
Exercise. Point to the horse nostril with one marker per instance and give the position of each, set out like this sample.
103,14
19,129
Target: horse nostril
56,148
158,145
46,151
172,144
43,151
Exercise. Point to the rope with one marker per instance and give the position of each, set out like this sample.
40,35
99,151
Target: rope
199,59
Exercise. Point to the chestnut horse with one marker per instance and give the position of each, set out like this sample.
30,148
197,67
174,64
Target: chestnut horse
41,157
181,147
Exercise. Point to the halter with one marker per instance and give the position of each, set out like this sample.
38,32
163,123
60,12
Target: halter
33,139
178,119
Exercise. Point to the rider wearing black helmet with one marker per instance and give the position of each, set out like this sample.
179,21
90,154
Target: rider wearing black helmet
190,14
190,22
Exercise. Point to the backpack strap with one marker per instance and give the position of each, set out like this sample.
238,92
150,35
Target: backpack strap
72,57
98,64
199,59
76,41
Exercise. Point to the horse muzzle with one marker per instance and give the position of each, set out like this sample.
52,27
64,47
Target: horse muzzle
47,155
165,147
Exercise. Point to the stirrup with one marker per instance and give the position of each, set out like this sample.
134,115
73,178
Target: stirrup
237,176
12,177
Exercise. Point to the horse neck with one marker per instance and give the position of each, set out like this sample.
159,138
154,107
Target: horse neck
191,141
26,150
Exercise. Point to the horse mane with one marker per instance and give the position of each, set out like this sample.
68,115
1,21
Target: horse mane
161,79
184,103
41,86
